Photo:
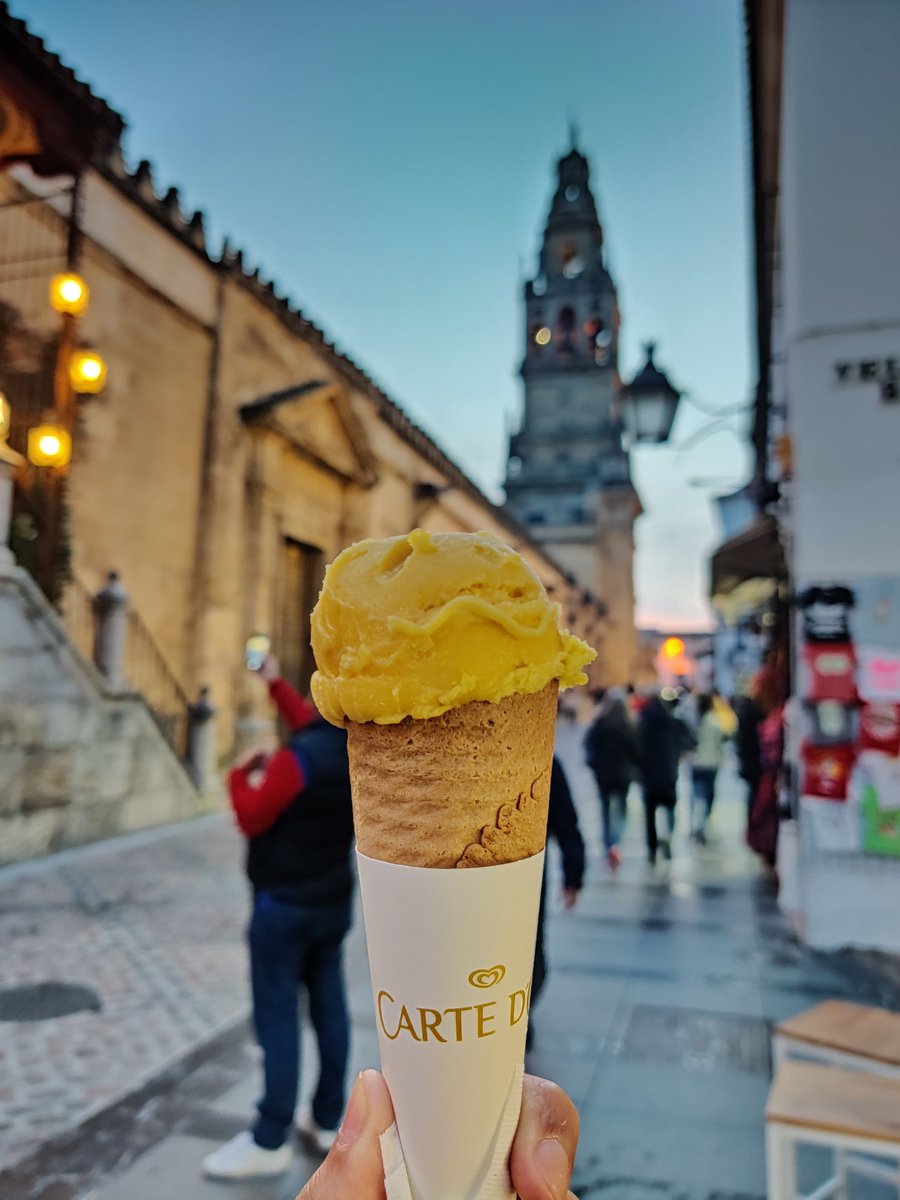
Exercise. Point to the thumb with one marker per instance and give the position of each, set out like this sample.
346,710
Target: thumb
353,1166
543,1150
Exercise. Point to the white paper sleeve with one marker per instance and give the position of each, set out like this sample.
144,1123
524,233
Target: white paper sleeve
451,955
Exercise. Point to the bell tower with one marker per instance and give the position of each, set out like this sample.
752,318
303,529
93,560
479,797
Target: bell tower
568,477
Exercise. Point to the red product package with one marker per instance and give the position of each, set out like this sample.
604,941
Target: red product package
831,671
879,728
826,771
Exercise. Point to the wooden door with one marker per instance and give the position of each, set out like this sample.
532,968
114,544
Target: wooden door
302,568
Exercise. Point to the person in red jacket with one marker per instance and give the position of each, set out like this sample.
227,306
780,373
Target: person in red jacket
258,802
293,806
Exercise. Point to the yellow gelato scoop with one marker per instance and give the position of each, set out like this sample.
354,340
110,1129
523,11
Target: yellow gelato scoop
413,626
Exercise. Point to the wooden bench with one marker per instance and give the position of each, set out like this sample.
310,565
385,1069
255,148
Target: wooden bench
856,1114
844,1035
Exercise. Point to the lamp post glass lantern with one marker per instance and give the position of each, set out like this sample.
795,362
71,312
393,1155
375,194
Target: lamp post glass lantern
49,445
69,293
647,404
87,372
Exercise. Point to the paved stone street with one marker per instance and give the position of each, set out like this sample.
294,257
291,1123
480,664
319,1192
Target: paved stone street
656,1017
150,927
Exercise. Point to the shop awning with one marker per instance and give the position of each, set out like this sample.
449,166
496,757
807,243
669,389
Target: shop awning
756,553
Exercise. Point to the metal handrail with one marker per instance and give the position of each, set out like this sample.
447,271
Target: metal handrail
78,618
146,669
149,673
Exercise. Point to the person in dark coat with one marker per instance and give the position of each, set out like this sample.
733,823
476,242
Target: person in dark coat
750,715
294,809
611,751
562,825
662,739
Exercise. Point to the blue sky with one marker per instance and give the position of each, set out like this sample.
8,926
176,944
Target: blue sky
390,163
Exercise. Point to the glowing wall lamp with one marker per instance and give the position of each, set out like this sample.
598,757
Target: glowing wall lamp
49,446
69,293
87,372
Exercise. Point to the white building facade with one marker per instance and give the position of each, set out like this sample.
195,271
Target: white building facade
827,102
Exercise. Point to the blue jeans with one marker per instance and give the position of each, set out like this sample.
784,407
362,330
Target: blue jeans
293,946
703,786
614,806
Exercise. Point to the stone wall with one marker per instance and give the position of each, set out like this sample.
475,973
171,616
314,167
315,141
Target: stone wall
172,486
76,762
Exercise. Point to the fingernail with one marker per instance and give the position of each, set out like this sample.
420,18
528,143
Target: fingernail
553,1164
356,1115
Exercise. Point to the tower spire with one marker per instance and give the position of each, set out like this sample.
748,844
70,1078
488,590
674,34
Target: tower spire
573,133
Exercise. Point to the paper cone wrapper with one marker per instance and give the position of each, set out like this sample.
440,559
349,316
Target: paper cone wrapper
451,954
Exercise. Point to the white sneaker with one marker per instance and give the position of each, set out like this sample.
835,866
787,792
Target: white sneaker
321,1140
241,1158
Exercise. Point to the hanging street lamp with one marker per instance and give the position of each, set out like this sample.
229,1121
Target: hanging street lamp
647,404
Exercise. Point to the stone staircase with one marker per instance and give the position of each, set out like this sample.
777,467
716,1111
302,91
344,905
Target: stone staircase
80,759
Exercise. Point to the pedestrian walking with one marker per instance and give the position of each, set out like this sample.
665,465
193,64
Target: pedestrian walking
294,809
662,739
635,700
725,714
611,751
562,827
687,709
707,759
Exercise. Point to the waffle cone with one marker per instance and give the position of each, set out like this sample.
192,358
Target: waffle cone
467,788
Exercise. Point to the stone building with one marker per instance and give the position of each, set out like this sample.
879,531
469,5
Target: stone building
234,451
568,476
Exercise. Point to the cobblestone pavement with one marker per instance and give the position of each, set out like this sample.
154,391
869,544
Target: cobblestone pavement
663,987
151,926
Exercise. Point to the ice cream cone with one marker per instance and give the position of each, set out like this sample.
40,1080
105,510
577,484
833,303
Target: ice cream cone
467,788
442,657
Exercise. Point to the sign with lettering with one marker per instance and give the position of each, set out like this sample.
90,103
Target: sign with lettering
885,372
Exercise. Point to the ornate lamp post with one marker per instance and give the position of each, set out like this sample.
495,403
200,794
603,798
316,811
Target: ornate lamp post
647,404
79,371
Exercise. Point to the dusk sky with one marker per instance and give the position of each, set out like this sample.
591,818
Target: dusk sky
390,164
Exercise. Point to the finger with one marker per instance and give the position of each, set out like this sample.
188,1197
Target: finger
543,1151
353,1167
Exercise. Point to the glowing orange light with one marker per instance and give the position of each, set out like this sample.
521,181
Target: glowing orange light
672,647
49,446
543,335
5,418
69,293
87,371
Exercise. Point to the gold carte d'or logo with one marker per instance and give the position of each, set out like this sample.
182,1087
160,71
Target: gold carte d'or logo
486,977
458,1023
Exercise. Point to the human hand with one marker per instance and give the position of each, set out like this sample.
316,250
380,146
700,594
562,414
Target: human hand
252,760
270,669
570,897
540,1162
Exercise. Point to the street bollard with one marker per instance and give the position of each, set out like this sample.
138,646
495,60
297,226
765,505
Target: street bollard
201,741
110,607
